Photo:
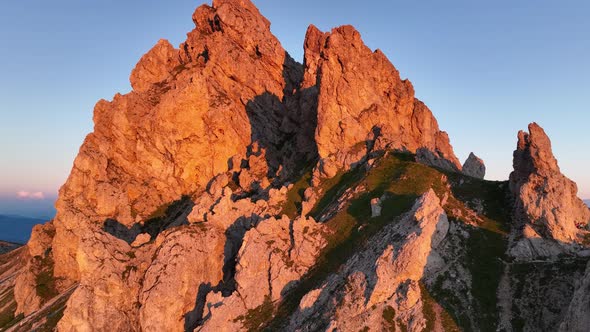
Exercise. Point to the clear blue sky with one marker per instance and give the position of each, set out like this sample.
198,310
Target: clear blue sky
485,68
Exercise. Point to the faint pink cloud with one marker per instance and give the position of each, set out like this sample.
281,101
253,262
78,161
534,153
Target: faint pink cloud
30,195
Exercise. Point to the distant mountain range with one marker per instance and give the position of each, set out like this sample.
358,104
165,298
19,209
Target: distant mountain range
38,209
7,246
17,229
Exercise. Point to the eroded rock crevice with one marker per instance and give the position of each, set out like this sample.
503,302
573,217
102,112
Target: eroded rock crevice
165,217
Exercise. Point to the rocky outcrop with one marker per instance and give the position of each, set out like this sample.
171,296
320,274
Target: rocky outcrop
11,264
376,207
363,104
540,295
222,91
223,102
550,218
190,113
543,285
155,66
273,257
168,294
39,263
474,167
381,285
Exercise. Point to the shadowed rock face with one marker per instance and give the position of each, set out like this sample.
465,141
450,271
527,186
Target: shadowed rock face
546,202
577,317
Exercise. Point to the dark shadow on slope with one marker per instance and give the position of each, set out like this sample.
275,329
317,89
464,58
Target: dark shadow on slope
285,128
292,207
482,256
194,318
165,217
541,291
494,196
234,238
544,290
483,251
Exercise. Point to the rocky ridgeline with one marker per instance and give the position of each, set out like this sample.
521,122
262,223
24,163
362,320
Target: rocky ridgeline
364,105
236,189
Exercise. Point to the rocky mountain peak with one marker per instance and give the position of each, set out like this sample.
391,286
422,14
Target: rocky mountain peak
534,153
154,66
546,202
239,21
217,100
236,189
364,105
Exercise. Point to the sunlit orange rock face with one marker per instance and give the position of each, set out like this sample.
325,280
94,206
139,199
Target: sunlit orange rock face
223,99
191,110
363,104
231,93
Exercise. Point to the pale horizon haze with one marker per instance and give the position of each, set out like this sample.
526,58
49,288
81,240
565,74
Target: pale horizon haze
485,69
